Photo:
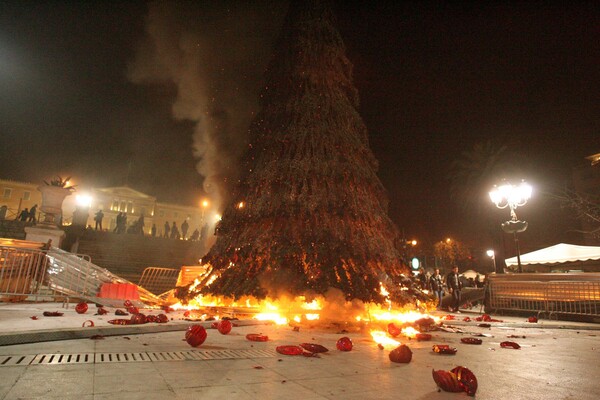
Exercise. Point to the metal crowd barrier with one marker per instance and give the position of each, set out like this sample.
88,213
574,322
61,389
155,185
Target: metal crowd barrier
552,295
21,272
27,271
76,276
159,280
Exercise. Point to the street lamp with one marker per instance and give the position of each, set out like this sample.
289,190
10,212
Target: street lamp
511,196
204,205
492,254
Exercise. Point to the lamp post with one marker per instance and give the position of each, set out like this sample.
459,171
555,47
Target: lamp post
204,205
507,195
492,255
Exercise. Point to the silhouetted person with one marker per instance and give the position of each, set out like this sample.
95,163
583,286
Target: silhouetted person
32,214
98,218
140,224
123,227
167,229
204,232
195,234
422,279
454,287
24,215
153,230
437,286
184,229
175,231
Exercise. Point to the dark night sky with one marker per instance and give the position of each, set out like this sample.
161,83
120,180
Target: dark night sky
82,95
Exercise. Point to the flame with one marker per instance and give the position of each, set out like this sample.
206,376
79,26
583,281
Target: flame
410,332
287,310
380,337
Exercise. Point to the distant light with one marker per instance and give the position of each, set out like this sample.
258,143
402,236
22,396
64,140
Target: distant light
414,242
241,205
415,263
490,253
83,200
218,217
448,240
204,203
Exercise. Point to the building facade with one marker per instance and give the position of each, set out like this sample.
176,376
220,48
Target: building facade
82,206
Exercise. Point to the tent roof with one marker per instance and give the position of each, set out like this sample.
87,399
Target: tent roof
558,253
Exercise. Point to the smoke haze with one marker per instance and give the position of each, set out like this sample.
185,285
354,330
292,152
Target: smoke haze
214,54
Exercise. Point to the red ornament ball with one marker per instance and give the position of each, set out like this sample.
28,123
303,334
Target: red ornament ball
138,319
81,308
401,354
161,319
344,344
195,335
393,330
224,326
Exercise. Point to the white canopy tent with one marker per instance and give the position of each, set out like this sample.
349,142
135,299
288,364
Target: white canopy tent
559,253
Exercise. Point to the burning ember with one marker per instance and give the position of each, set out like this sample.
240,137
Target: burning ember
410,332
381,338
297,310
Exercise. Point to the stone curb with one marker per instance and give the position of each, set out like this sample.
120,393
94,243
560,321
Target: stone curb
49,335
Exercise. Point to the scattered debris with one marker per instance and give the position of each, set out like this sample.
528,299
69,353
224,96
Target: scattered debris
35,318
255,337
97,337
510,345
314,348
89,323
471,340
444,349
53,314
289,350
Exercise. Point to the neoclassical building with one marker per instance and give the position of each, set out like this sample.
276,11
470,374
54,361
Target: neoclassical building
17,196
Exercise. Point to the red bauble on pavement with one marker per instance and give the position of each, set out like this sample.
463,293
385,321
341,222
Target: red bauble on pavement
195,335
81,308
224,326
401,354
344,344
447,381
161,319
393,330
138,319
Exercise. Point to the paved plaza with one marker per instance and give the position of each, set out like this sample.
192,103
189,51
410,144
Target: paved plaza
557,360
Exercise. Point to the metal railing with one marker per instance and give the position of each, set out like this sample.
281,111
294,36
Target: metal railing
25,272
159,280
550,295
21,272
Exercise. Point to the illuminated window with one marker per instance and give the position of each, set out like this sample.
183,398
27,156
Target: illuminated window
26,195
123,206
115,205
7,193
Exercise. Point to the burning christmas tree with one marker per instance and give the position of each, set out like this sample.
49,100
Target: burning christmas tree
310,213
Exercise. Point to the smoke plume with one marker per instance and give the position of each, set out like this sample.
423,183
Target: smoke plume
214,54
